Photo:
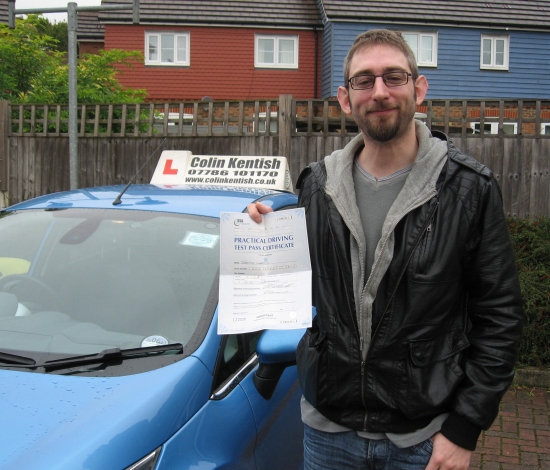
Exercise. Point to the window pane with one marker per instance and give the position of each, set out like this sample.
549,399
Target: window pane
167,48
105,272
182,48
412,40
266,51
546,130
153,48
487,51
427,49
487,128
508,129
499,53
286,51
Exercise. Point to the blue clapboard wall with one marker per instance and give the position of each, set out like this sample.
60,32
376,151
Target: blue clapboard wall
457,74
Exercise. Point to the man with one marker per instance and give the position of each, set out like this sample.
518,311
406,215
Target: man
419,312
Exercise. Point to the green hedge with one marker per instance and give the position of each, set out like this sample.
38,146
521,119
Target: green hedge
531,241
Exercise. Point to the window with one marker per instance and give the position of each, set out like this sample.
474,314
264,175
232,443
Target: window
167,48
545,129
508,128
424,46
108,270
236,359
494,52
262,122
276,51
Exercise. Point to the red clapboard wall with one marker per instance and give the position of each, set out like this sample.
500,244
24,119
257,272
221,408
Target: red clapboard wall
221,65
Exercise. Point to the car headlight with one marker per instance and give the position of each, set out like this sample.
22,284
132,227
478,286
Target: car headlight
148,462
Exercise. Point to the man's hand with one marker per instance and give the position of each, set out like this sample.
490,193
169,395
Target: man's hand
447,455
256,210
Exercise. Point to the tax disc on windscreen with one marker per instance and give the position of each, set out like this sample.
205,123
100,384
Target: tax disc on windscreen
154,340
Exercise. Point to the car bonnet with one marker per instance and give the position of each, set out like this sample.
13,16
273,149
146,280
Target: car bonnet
68,422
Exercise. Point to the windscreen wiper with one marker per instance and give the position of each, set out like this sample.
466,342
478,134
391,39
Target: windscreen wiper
13,359
104,356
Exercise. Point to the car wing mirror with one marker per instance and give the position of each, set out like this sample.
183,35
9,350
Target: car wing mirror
276,350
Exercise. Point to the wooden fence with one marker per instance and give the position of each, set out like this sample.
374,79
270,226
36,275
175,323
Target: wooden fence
510,137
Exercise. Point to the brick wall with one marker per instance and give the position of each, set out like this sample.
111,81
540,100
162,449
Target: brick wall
89,47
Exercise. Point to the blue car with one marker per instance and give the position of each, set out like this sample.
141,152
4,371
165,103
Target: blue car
109,355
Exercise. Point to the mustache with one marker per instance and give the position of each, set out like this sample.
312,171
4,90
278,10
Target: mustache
380,107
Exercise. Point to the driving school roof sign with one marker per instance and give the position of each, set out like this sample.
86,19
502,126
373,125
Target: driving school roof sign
182,167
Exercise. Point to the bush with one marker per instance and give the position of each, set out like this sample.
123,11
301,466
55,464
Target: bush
531,242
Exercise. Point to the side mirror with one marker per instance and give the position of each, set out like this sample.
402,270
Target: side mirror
276,350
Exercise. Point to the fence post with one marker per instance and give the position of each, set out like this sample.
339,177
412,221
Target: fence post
4,121
287,124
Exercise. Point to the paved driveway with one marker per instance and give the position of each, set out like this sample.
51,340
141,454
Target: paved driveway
520,436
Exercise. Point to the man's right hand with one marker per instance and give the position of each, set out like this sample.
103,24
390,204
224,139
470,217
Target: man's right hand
256,210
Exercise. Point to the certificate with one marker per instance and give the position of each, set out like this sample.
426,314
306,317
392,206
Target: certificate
265,272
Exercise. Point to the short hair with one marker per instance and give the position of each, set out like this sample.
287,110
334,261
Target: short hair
375,37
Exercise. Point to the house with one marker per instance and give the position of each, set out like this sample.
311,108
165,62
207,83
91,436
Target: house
234,49
224,49
467,49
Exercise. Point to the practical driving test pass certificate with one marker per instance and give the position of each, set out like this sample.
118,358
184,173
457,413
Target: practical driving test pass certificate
265,272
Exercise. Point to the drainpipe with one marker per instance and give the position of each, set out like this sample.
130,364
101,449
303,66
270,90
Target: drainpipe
315,91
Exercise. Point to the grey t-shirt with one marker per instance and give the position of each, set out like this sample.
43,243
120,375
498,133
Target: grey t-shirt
374,199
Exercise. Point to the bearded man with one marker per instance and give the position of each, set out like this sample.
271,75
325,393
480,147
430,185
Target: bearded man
419,312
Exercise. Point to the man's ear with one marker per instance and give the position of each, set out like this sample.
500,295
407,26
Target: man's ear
343,99
421,88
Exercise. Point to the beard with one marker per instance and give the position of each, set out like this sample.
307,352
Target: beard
384,129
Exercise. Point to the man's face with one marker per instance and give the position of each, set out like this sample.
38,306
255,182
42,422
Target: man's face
382,113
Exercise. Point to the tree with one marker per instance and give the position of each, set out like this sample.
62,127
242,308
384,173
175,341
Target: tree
34,70
23,53
57,31
96,80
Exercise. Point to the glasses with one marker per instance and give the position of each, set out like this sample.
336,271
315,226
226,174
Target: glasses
391,79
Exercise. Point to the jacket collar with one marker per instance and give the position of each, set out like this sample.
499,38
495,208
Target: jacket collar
420,182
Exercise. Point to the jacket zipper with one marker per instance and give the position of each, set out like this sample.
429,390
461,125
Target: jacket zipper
358,335
322,185
404,267
425,228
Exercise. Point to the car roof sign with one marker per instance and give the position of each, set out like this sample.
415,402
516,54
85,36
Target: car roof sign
177,167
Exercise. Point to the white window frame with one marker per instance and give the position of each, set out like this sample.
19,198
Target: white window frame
275,64
545,126
494,127
158,61
494,38
262,122
420,35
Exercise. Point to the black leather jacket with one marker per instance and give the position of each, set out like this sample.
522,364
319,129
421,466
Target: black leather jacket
447,317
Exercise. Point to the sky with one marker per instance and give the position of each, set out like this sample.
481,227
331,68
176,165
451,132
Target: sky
54,17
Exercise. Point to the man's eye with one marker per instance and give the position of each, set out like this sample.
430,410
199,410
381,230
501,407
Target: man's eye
363,81
394,78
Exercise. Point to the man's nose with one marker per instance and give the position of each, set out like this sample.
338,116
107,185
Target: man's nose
379,89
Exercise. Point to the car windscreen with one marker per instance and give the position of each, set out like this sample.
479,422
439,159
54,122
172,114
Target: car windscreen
79,281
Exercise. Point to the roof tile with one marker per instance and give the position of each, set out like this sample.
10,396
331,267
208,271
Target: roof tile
533,14
4,11
89,28
283,13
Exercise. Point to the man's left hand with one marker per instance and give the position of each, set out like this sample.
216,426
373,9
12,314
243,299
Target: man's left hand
448,456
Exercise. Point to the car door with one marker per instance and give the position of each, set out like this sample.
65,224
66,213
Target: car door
278,423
